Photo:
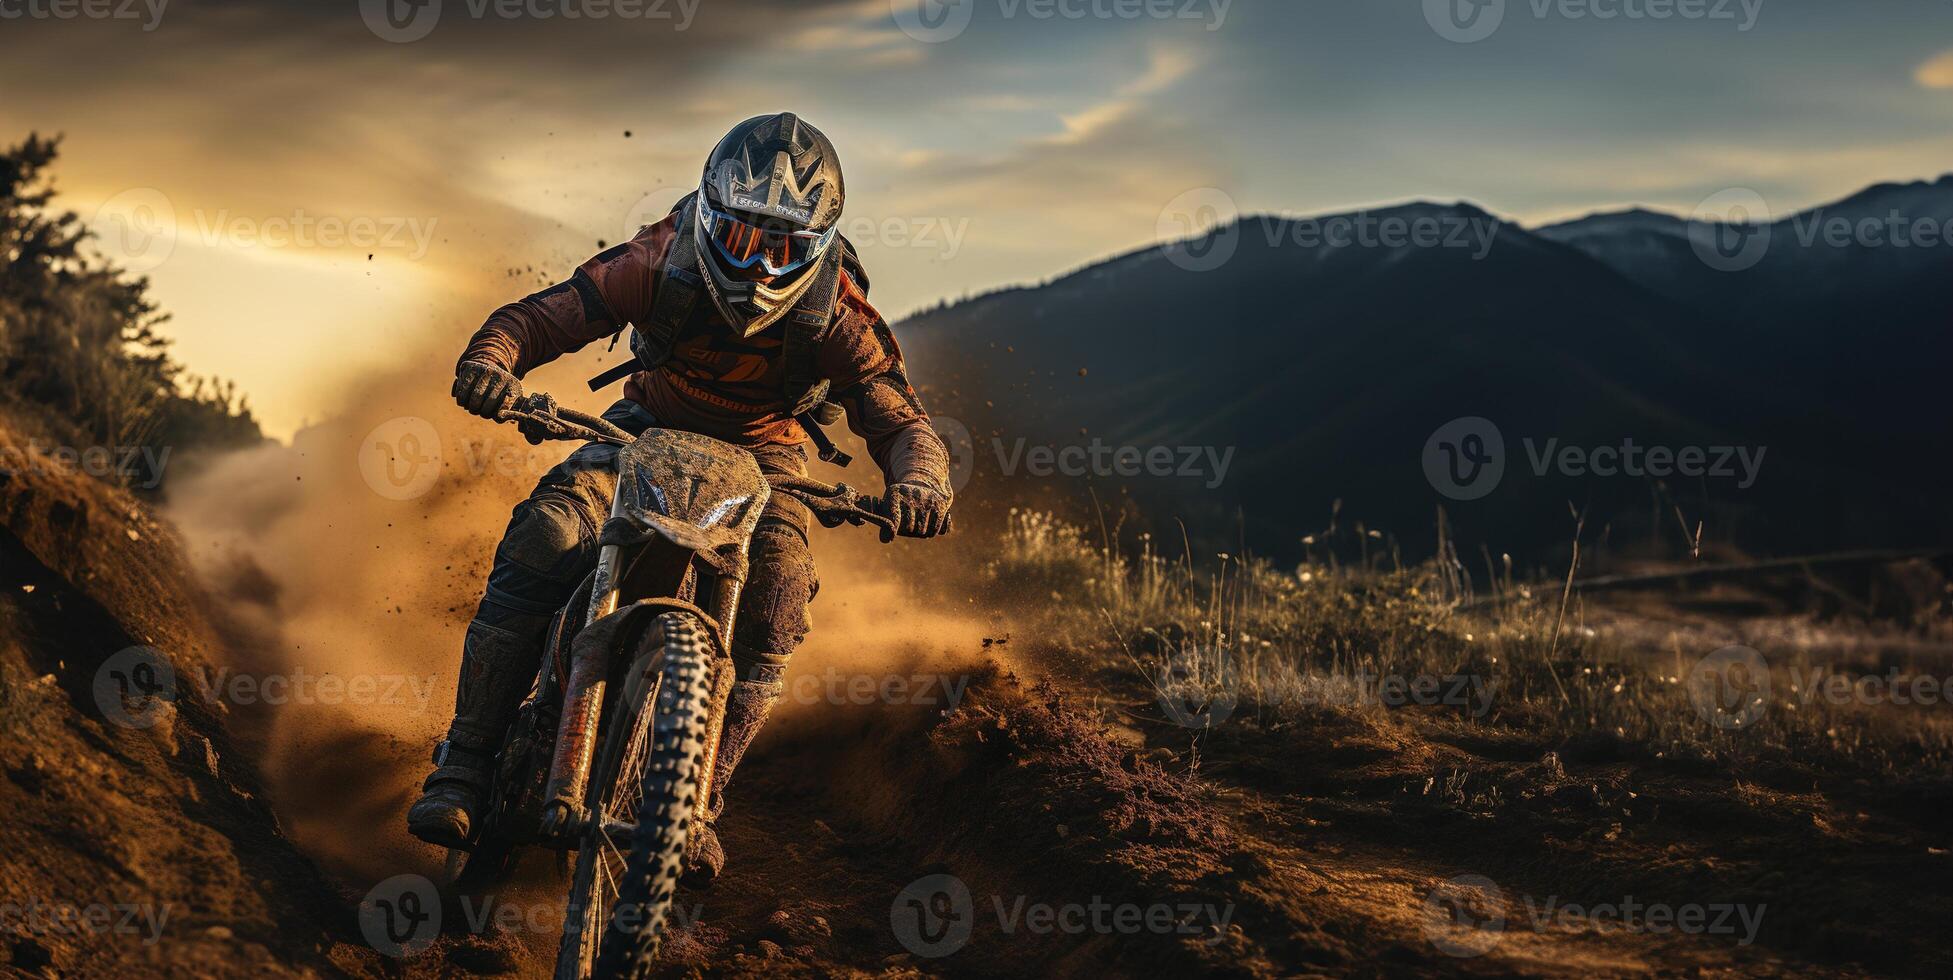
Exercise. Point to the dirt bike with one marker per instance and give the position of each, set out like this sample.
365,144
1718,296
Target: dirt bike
611,755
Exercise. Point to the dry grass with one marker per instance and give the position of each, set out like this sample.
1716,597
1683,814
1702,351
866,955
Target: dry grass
1277,644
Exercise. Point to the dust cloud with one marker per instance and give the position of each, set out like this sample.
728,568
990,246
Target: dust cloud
346,567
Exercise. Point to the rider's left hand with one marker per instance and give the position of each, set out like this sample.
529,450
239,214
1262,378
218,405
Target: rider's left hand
918,511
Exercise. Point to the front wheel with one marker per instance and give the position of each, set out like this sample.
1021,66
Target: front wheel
648,775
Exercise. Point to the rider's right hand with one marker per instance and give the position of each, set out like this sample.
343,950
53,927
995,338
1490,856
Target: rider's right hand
484,389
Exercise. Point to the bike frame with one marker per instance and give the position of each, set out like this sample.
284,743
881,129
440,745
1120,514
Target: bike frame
681,524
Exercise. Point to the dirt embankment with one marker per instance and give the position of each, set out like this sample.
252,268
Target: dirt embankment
137,838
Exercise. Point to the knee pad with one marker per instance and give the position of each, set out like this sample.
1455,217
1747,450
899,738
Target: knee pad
773,609
548,548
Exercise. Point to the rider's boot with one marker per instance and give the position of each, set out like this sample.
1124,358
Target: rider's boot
746,711
498,664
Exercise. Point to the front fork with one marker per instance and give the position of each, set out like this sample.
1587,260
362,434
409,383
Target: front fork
583,699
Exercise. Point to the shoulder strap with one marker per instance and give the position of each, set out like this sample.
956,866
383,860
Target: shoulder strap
679,286
806,326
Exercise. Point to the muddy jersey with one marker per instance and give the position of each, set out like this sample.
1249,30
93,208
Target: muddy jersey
716,382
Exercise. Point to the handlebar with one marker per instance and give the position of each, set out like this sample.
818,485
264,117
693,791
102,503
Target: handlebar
540,419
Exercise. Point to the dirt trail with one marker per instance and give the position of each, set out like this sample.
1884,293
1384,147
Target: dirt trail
979,821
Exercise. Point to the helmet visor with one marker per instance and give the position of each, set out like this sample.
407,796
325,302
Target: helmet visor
743,242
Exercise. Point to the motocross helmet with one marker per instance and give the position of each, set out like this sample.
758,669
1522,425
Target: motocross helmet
767,208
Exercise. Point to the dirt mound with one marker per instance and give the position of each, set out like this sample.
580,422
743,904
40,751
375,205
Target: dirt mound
1037,842
136,841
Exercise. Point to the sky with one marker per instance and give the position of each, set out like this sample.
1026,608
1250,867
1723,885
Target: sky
321,188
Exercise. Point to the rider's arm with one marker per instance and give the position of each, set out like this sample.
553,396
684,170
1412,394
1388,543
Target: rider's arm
862,358
610,290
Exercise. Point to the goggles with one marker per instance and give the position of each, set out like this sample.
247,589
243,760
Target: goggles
743,244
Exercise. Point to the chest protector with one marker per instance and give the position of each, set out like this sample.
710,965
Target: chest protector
679,291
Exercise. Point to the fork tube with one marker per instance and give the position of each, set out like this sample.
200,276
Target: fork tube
603,592
583,696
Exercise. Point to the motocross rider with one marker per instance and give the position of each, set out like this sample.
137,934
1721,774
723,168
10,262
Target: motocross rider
785,336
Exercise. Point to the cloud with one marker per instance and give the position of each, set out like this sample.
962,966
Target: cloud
1937,72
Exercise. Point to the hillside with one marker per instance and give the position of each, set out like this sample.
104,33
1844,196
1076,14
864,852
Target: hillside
1326,369
142,812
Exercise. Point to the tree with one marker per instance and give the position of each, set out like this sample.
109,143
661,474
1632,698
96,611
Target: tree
81,338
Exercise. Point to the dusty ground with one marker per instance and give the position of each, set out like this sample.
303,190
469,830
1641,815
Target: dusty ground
1338,843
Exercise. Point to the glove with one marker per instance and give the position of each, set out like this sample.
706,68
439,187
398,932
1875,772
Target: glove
918,511
484,389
